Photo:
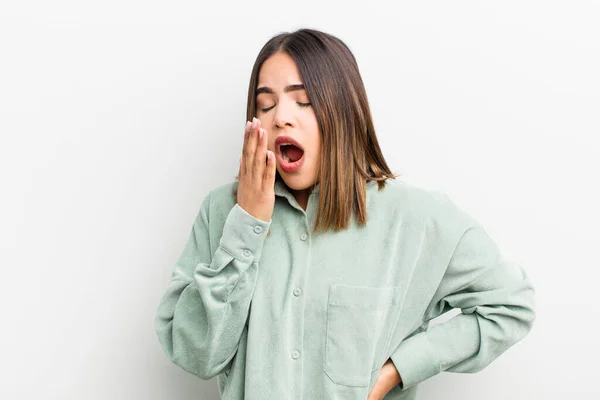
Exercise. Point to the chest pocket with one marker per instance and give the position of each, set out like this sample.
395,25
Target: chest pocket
356,320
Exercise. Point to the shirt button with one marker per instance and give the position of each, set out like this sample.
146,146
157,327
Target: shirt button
258,229
303,236
247,253
295,354
297,292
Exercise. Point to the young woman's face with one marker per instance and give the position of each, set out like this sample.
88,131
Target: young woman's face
284,112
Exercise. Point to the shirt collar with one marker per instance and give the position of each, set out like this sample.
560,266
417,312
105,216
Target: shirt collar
282,190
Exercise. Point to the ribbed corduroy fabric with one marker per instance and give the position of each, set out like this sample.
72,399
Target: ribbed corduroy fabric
302,315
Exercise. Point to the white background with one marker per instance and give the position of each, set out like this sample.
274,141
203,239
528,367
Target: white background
117,117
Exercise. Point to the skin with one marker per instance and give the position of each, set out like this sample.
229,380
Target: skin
282,114
387,379
256,192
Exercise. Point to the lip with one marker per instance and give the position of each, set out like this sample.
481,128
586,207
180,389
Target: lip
288,167
286,139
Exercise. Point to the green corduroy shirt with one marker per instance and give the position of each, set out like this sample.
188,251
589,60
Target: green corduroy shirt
302,315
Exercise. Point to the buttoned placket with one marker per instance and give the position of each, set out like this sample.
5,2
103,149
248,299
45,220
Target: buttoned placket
297,292
302,265
300,268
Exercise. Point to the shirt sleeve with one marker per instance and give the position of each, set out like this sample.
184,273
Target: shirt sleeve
496,298
201,315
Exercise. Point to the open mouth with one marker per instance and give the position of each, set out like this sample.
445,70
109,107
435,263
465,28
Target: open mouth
291,153
290,157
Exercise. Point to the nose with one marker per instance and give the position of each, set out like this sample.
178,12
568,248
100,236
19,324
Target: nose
284,115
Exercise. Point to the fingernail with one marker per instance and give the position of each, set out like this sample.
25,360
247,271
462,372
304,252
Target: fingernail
261,133
253,122
248,123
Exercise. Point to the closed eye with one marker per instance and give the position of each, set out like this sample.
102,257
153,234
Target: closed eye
300,104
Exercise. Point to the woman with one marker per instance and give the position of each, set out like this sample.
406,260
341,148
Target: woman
314,275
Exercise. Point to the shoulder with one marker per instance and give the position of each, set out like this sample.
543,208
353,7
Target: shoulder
427,207
224,194
412,198
219,200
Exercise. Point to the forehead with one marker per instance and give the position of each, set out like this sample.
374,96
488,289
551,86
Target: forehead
278,71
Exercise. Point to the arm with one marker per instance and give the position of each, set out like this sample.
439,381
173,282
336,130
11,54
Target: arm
201,315
497,302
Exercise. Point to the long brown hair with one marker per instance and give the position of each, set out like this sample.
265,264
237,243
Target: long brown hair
350,150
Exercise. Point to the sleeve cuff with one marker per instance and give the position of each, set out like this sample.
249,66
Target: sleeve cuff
243,234
415,360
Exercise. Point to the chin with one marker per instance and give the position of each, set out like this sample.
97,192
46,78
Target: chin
297,182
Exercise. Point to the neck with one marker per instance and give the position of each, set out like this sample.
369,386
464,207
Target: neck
302,196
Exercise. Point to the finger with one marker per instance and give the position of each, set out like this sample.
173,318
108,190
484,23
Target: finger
250,149
261,152
245,146
257,164
266,153
269,175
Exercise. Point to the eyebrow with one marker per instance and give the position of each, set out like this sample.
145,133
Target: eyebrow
289,88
